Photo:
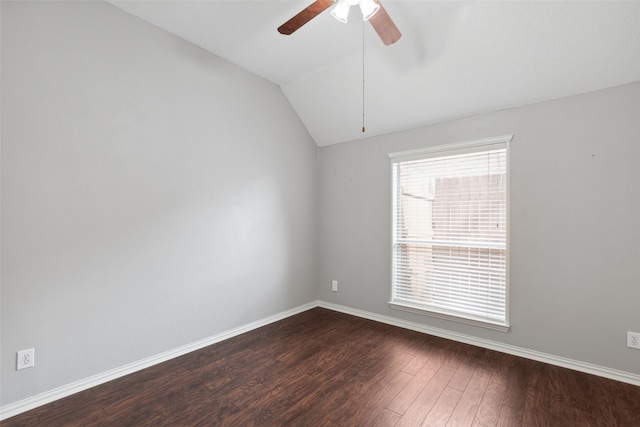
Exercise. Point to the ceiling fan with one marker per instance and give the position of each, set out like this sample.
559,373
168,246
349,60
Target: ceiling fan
372,11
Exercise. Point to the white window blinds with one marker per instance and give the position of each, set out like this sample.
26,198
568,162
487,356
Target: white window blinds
450,231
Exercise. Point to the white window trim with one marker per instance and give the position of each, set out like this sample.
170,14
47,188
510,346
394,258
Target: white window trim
437,151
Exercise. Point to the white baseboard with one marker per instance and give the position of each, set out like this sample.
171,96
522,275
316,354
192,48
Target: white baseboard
21,406
576,365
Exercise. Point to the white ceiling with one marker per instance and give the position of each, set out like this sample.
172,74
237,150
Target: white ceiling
455,58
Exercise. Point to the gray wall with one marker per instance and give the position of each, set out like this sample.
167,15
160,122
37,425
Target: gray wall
152,194
575,207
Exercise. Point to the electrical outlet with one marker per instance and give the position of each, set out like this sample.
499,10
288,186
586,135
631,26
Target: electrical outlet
633,340
334,285
26,359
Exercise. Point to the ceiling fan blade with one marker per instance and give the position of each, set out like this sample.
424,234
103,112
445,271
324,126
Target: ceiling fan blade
384,26
306,15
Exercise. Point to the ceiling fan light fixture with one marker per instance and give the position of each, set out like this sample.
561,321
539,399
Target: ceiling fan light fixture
368,8
341,11
381,22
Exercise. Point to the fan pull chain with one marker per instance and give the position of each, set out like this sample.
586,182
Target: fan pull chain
363,76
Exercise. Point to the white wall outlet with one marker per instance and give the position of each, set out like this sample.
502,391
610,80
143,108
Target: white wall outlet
334,285
633,340
26,359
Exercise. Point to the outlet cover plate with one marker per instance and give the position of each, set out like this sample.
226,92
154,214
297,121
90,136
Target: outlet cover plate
26,359
633,340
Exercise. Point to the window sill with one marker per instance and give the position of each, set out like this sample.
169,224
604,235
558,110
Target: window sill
502,327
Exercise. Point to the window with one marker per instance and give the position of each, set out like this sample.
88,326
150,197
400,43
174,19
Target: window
450,232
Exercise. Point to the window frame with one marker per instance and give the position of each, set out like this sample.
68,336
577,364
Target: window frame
441,151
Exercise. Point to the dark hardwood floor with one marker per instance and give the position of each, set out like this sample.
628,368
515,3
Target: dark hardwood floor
323,368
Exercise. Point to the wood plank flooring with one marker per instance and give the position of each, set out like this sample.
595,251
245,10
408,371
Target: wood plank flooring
323,368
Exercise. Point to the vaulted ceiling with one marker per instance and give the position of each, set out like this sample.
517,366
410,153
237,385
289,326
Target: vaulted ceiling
455,58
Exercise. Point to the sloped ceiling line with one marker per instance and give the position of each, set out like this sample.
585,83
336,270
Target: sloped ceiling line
454,58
